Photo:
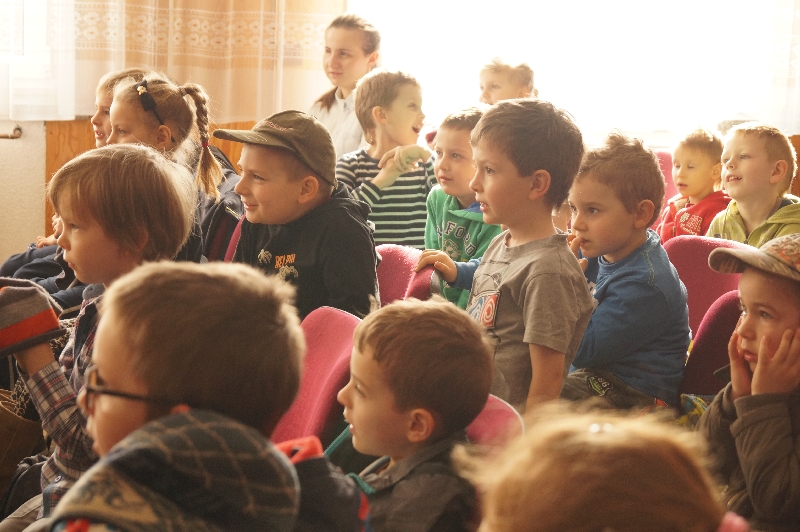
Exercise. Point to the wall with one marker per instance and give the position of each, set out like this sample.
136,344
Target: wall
21,187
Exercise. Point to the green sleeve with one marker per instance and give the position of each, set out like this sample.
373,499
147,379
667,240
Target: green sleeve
432,240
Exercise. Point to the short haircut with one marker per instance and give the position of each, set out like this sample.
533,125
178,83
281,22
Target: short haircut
433,356
221,337
297,169
777,144
705,141
464,120
535,135
573,472
520,74
132,192
110,80
629,169
378,88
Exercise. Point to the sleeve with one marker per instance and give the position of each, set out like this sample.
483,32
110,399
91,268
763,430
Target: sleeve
432,223
769,453
632,314
350,277
465,273
715,425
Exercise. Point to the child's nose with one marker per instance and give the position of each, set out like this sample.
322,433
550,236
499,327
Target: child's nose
342,396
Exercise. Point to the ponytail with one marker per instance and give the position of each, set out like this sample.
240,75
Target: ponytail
209,172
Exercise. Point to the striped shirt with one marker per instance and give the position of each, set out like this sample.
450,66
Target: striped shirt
399,212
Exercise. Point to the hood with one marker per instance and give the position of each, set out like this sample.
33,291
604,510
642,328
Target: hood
340,198
789,211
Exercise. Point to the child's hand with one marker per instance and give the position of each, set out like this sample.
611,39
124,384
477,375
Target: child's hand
398,161
741,377
441,261
58,226
574,242
42,241
778,372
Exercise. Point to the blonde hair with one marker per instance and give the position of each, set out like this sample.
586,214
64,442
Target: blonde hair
433,356
378,88
370,42
133,193
110,80
180,115
588,472
520,74
706,142
216,336
777,144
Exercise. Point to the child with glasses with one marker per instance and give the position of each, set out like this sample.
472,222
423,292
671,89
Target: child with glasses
189,453
121,206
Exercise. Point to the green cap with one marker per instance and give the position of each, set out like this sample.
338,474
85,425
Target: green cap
300,133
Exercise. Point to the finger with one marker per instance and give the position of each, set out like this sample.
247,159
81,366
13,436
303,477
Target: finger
575,245
779,355
447,273
386,156
733,347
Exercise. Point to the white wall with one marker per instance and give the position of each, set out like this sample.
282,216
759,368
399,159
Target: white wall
21,187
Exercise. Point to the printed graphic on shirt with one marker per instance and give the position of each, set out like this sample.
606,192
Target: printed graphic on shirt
264,257
484,308
454,237
287,272
690,223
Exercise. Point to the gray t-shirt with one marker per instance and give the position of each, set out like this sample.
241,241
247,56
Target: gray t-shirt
534,293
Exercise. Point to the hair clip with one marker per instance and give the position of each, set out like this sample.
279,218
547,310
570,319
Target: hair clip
147,101
605,427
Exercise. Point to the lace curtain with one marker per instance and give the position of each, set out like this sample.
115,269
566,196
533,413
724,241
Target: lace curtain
231,47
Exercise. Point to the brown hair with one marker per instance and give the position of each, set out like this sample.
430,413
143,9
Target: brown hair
216,336
520,74
464,120
706,142
629,169
110,80
132,192
180,116
378,88
433,356
370,42
777,144
575,472
535,135
296,169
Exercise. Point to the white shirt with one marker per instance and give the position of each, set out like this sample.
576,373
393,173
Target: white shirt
342,124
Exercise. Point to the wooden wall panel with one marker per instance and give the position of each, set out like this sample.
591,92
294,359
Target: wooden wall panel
65,140
232,149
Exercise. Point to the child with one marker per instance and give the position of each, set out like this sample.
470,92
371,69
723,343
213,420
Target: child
389,109
300,223
528,290
419,374
351,50
502,81
455,223
634,349
104,96
594,472
121,205
758,167
189,453
696,169
753,424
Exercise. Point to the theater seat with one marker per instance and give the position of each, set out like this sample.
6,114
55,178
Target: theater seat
396,276
496,425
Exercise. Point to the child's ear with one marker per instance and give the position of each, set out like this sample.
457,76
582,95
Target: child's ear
379,115
163,137
421,425
309,188
540,184
644,213
779,172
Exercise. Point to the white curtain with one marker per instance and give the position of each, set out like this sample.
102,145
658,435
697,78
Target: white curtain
648,68
37,60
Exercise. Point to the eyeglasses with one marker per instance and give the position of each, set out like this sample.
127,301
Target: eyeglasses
94,388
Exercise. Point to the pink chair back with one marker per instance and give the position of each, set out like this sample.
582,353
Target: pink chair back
326,369
710,347
237,233
689,255
665,163
396,276
496,425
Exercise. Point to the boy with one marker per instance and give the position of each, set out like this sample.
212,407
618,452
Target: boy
302,225
753,424
634,348
121,205
503,81
419,374
696,171
528,290
758,167
455,223
189,453
385,174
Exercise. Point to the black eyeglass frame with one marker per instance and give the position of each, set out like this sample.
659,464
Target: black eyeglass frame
102,390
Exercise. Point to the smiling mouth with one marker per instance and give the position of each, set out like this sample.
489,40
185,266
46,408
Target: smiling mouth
733,178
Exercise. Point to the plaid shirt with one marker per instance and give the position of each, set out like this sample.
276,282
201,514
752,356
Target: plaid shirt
54,390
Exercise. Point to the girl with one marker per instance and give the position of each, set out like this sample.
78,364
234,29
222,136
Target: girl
121,206
351,50
598,471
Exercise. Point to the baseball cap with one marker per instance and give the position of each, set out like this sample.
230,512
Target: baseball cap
780,256
297,132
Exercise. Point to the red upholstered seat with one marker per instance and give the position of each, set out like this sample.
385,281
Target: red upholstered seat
234,241
396,276
496,425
